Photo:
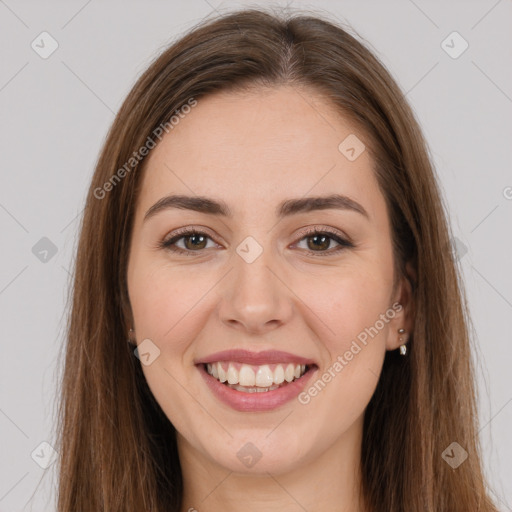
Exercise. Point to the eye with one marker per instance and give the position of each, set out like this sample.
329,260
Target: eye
317,240
195,241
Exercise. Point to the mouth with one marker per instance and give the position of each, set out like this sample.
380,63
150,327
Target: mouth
255,378
256,382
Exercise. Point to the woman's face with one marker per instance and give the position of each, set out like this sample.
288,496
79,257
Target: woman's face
257,279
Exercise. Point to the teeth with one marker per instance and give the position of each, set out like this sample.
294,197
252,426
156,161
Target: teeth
263,377
279,374
252,389
289,373
222,374
246,376
232,375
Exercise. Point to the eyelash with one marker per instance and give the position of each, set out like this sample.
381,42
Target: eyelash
343,243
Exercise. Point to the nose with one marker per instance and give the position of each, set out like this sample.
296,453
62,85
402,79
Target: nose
254,297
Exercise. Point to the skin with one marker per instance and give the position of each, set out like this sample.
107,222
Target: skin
254,150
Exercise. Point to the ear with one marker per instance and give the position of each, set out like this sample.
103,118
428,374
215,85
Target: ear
128,326
127,316
404,317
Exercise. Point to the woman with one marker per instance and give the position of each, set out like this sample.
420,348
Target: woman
265,229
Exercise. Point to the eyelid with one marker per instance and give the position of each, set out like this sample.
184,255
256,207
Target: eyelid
320,228
343,241
183,232
189,230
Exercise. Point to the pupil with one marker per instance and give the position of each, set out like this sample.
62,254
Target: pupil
190,237
323,239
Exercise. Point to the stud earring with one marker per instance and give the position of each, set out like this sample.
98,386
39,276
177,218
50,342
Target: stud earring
130,340
403,347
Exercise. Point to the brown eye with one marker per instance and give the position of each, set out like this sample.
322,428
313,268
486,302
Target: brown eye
318,242
193,241
196,241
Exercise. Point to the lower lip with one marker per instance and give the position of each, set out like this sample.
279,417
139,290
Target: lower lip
256,402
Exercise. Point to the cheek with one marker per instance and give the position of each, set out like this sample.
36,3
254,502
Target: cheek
352,317
348,304
354,343
166,304
166,301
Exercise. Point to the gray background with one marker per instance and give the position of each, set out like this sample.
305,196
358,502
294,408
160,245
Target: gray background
55,113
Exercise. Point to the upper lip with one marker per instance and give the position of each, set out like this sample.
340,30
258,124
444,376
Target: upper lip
255,358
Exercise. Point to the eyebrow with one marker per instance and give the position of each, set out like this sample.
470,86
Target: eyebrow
286,208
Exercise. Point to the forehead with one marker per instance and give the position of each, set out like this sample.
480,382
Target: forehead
258,147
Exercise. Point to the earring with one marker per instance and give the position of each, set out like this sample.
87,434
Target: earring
403,347
130,340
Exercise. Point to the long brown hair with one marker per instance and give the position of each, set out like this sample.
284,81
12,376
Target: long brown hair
117,448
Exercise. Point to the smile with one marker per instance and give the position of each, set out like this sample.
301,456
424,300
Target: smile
256,398
250,378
